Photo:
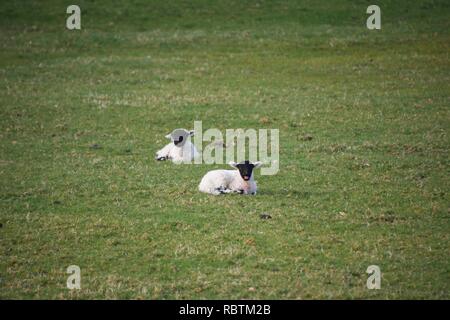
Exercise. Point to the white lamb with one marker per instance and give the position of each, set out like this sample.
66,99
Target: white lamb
231,181
180,149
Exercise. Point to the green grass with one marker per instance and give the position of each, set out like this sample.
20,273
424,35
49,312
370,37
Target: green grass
371,187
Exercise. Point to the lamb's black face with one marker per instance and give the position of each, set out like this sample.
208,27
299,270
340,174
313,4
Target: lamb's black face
245,169
179,140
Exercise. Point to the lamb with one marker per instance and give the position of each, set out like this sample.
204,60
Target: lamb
231,181
180,149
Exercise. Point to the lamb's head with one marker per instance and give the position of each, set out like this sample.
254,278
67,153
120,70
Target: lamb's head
180,136
246,168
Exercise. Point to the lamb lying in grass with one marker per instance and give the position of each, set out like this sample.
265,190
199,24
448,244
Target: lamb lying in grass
180,149
231,181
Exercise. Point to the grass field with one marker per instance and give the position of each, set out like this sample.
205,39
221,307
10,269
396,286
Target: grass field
364,124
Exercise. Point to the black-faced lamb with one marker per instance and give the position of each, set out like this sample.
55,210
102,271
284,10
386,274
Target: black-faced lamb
231,181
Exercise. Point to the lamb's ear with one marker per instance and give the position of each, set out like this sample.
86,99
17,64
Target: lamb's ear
169,136
233,164
191,133
257,164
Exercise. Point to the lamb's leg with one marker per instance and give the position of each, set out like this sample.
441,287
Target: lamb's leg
163,154
217,191
222,190
242,191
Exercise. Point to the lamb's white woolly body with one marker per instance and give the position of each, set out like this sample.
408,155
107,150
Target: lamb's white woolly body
185,153
226,181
